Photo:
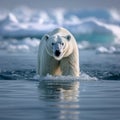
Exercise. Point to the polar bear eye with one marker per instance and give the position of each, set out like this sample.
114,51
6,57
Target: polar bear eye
46,37
62,43
53,43
68,37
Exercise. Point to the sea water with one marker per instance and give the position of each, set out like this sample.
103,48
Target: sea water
95,95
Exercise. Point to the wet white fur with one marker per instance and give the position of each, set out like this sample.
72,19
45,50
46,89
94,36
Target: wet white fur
67,63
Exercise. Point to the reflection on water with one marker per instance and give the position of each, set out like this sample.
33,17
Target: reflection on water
62,98
59,100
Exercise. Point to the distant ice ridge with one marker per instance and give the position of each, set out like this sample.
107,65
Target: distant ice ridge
30,45
25,22
84,45
24,45
108,50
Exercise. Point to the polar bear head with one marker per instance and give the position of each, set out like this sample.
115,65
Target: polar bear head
58,46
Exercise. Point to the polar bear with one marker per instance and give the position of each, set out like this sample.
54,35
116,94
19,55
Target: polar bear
58,54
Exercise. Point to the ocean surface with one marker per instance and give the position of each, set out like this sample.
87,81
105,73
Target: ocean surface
95,95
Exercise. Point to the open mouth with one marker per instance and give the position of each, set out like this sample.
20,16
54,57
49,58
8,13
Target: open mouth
57,53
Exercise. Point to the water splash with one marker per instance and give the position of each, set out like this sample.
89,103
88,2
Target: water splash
83,76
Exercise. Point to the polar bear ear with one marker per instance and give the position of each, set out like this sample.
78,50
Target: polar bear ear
68,37
46,37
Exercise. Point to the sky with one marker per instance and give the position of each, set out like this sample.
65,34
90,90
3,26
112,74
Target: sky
70,4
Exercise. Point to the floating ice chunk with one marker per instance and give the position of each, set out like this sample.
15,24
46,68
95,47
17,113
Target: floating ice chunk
112,49
102,50
17,48
83,45
32,42
105,50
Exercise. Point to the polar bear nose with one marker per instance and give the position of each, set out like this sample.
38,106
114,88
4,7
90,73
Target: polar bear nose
57,53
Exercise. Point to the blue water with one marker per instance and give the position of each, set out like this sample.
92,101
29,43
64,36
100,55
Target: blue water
23,100
95,95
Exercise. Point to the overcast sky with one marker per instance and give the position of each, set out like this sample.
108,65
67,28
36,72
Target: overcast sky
71,4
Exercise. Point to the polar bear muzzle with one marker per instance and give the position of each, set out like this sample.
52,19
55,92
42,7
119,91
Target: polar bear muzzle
57,49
